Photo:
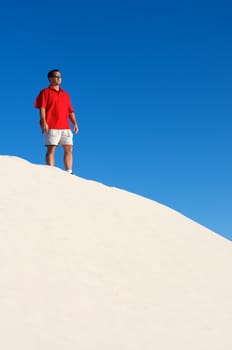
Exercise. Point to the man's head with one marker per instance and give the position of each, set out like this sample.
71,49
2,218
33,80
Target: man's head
54,76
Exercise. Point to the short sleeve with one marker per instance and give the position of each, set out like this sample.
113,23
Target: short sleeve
40,101
70,107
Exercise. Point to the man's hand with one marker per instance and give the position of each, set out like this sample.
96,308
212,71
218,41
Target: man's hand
75,128
74,122
44,126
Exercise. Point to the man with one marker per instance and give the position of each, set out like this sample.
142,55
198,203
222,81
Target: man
56,110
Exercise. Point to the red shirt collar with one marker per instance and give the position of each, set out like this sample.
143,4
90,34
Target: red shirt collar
51,88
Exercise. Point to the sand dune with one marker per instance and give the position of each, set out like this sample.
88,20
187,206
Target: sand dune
84,266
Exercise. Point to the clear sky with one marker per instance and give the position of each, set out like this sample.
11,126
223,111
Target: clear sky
150,82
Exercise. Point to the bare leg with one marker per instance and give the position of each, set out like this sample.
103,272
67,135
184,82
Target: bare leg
50,155
68,158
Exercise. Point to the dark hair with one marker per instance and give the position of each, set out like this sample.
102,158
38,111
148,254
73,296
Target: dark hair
51,73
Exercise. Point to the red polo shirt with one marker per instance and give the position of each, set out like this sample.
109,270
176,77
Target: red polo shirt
57,105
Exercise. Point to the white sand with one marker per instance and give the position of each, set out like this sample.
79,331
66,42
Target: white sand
87,267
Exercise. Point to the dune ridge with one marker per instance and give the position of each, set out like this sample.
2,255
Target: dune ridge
87,266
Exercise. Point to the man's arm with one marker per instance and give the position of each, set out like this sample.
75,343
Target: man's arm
44,125
73,120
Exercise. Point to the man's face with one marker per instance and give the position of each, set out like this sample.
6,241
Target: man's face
55,79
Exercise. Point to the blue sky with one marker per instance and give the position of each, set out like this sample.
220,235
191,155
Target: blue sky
151,85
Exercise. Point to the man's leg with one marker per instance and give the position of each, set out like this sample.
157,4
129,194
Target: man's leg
50,155
68,158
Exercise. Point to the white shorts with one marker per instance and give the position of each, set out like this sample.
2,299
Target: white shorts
56,137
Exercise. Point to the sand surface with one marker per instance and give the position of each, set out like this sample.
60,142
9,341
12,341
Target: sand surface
84,266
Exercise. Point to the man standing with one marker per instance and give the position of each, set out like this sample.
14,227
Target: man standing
56,110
